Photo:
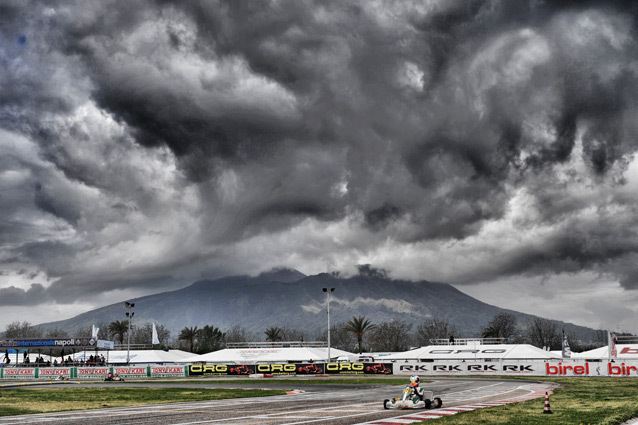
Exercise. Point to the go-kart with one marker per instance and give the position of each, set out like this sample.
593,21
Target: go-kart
412,401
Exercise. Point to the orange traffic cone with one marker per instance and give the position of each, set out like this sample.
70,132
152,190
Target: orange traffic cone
547,410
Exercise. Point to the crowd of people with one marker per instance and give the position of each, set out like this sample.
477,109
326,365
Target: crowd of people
97,360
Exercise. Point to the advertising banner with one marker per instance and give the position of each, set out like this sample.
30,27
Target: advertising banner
220,369
54,372
19,373
168,371
131,372
92,372
343,368
48,343
566,367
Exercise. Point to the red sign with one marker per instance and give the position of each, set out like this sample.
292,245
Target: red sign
167,371
19,372
63,371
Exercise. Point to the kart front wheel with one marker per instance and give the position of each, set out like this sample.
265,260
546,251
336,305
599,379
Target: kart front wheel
428,403
385,404
438,403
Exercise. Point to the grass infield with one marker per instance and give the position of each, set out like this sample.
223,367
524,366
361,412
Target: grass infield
46,399
602,401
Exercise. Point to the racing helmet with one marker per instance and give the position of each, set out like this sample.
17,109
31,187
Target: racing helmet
414,381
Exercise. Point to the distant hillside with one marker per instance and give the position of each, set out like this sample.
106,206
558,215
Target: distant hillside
288,298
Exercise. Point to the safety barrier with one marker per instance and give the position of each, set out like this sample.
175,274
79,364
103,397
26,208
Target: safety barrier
146,371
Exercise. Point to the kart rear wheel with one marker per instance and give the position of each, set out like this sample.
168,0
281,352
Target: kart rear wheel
438,403
385,404
428,404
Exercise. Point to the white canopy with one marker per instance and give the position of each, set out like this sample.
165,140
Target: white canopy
624,351
475,352
269,355
136,356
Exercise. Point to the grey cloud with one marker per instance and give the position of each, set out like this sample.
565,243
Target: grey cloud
36,294
424,121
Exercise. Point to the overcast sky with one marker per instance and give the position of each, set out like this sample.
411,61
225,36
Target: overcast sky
487,144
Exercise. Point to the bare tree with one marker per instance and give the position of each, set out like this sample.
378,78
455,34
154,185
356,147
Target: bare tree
434,328
340,337
502,325
56,333
544,333
19,329
289,334
144,334
239,334
391,336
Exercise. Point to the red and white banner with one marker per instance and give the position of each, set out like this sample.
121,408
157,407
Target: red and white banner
54,372
92,372
167,371
131,372
18,372
567,367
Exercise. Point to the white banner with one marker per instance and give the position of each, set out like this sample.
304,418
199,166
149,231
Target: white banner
167,371
567,367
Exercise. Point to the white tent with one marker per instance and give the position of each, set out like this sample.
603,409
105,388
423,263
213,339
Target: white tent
624,351
475,352
269,355
136,356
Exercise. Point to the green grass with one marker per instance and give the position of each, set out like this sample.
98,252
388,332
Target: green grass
602,401
42,400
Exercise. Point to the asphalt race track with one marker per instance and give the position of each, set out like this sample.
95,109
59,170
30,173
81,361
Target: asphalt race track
317,404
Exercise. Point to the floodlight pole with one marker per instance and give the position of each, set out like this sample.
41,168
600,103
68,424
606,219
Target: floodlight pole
328,294
129,315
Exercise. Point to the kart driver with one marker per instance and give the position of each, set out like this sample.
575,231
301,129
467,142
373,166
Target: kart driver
414,384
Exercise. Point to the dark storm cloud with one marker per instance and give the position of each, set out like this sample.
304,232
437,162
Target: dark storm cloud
36,294
423,120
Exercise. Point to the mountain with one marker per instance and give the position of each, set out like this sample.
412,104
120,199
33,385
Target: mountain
288,298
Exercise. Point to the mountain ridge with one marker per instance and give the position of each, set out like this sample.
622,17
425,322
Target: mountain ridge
296,301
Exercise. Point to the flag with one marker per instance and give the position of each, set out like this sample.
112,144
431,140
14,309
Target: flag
155,337
94,331
567,352
613,339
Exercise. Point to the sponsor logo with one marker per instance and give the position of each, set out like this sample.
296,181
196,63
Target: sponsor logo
518,368
481,368
178,370
19,372
276,368
629,350
446,368
413,368
209,368
54,372
92,372
621,370
562,369
340,367
492,351
130,370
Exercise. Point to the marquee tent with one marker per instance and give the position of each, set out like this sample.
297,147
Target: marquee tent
269,355
624,351
474,352
136,356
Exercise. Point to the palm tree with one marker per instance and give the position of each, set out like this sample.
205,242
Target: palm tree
119,328
189,335
359,326
273,334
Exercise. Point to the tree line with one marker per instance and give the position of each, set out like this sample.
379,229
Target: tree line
356,335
